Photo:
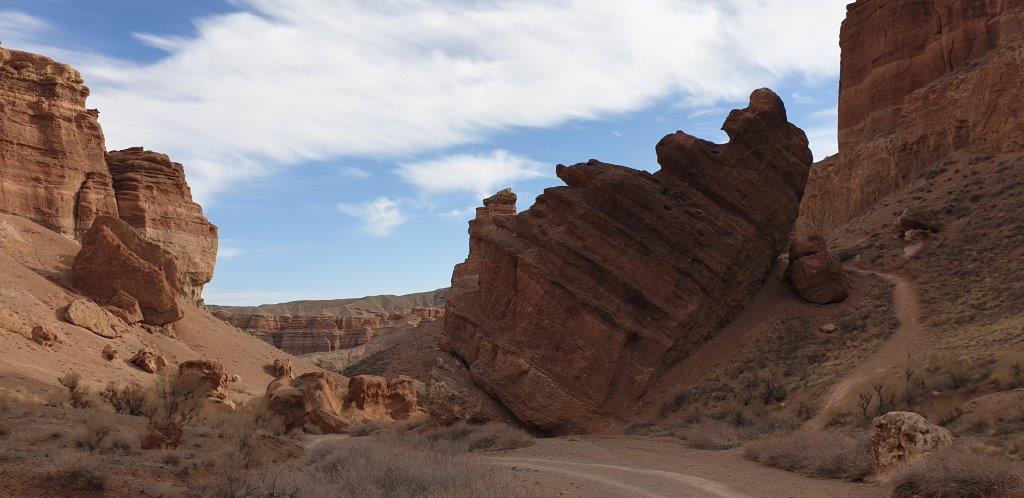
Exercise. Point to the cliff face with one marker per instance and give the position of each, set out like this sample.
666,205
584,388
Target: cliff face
54,170
569,312
919,80
304,334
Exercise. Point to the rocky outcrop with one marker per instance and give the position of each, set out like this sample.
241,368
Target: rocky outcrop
919,81
44,336
54,170
899,437
51,148
570,311
303,334
207,376
816,274
281,368
154,199
115,260
148,360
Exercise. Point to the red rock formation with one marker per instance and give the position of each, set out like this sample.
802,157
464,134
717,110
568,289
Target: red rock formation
314,398
207,374
569,312
53,169
148,360
51,148
114,260
816,274
312,334
153,197
919,80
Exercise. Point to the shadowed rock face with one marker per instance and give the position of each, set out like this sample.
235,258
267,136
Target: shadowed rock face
919,81
568,312
53,169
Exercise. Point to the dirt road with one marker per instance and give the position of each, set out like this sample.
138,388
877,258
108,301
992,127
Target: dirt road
635,466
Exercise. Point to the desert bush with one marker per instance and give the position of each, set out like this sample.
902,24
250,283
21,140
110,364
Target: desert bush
711,435
485,437
174,401
832,454
78,471
958,472
77,395
244,428
91,432
365,428
129,399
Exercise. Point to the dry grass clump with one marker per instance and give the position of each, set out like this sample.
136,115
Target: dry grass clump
832,454
77,395
365,428
129,399
485,437
95,432
958,472
391,468
78,471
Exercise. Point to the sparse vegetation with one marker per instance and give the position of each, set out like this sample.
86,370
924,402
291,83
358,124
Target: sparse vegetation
958,472
486,437
129,399
77,394
79,471
832,454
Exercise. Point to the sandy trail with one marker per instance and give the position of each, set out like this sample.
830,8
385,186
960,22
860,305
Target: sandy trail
655,467
895,354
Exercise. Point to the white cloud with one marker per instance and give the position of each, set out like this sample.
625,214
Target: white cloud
354,172
227,251
824,141
379,217
19,27
479,174
830,112
458,213
283,81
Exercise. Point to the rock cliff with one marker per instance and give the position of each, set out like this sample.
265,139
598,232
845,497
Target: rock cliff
919,80
569,312
54,170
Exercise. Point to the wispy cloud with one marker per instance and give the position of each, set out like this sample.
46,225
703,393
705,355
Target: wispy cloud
354,172
280,82
379,217
479,174
19,28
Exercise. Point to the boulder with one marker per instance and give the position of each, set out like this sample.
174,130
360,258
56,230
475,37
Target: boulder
207,375
148,360
109,353
281,368
899,437
91,316
570,312
819,279
44,337
920,219
124,307
114,259
313,398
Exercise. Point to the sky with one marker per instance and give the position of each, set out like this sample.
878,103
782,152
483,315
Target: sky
341,145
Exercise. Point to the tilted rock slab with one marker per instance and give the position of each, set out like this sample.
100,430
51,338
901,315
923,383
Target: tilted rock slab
569,312
91,316
115,260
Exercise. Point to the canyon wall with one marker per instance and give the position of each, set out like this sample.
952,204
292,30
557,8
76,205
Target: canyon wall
567,313
919,81
54,169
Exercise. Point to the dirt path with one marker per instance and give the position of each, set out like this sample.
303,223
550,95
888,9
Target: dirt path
635,466
894,354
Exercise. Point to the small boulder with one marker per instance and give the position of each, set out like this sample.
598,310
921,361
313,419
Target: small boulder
236,378
125,307
899,437
916,218
148,361
91,316
819,279
806,246
313,398
209,375
828,328
281,368
44,337
169,437
109,353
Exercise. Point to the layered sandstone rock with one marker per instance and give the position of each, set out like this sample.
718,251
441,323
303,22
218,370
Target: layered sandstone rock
89,315
919,81
153,197
51,148
569,312
303,334
208,376
54,170
115,261
899,437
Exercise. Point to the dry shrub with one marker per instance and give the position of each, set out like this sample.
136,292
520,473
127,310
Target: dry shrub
392,468
958,472
129,399
80,471
365,428
96,432
491,436
77,395
174,402
833,454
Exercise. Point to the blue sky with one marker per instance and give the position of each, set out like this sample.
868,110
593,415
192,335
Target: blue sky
340,145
